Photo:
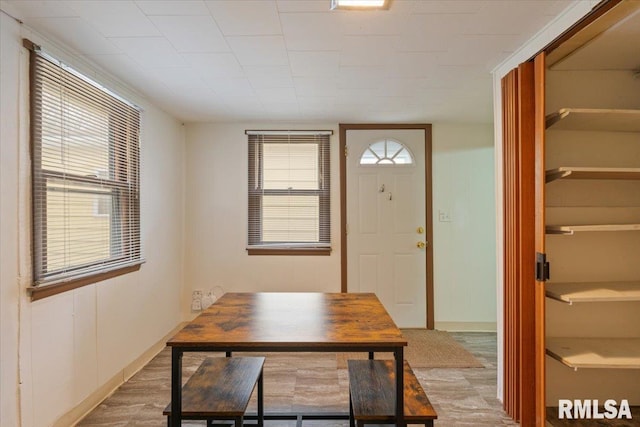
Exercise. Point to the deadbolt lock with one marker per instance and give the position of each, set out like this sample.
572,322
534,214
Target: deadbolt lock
420,230
421,245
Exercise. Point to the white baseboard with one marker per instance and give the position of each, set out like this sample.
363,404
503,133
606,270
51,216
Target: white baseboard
466,326
75,415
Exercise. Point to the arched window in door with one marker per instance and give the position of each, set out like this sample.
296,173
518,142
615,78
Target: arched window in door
386,152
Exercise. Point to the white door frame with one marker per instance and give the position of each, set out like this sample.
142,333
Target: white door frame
428,203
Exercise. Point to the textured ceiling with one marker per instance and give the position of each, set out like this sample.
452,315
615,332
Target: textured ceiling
294,60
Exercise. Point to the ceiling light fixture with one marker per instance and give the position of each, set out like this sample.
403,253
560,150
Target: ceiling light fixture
359,4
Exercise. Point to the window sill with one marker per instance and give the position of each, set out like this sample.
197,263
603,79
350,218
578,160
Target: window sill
289,251
44,291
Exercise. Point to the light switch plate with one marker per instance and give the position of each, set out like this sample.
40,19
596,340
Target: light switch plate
444,216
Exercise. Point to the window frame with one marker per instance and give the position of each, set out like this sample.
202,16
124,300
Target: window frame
122,183
392,161
256,193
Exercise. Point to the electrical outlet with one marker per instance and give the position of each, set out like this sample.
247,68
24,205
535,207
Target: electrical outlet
196,300
208,299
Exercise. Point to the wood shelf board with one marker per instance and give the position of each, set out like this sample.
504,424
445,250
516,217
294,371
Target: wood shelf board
593,291
594,119
609,353
570,172
571,229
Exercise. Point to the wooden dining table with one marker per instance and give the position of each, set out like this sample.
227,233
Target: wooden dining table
290,322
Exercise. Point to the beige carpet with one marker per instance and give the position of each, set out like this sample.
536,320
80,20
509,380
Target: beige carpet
426,349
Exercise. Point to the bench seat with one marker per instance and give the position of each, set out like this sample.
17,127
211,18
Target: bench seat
220,389
372,394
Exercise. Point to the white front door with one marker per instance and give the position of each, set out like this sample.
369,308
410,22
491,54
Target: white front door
386,220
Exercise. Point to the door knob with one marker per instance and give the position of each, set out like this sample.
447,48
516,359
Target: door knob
421,245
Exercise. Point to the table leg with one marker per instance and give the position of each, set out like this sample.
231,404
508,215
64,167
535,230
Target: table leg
399,355
261,400
176,386
352,420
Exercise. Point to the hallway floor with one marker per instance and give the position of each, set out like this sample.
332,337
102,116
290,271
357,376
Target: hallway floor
312,382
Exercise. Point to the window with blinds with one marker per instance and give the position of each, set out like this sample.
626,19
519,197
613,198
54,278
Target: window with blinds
289,192
85,176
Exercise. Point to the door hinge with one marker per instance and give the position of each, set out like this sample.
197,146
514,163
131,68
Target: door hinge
542,267
346,151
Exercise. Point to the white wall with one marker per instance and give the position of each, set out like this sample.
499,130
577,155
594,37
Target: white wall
464,249
64,348
9,289
216,221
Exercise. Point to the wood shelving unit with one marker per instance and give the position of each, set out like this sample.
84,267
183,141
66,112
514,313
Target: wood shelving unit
593,292
605,352
610,353
594,119
567,172
571,229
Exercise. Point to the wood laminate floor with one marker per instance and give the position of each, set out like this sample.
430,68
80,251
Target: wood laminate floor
311,382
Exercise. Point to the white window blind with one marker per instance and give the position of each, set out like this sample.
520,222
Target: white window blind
85,175
289,190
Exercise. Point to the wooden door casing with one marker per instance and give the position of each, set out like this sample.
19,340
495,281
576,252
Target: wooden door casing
428,204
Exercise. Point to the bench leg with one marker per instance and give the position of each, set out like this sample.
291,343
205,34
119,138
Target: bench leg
239,422
169,421
260,401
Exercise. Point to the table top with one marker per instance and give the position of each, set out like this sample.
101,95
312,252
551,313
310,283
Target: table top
292,321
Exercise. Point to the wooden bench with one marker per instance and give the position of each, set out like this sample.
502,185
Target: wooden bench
372,396
220,389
